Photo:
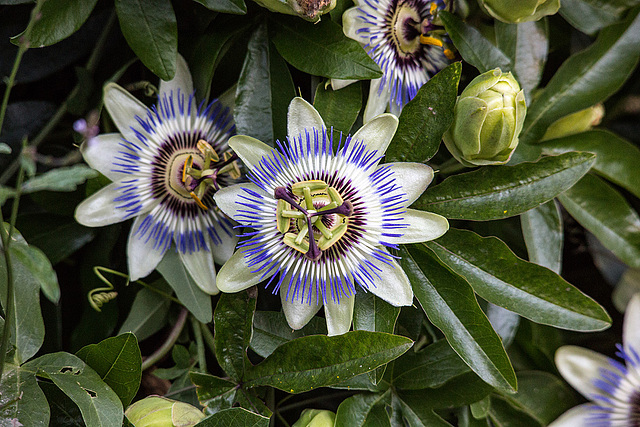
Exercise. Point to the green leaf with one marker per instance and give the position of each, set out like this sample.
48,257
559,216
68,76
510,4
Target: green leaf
426,418
147,315
450,304
232,323
544,235
496,192
27,326
235,417
334,55
599,208
542,396
60,179
429,368
339,108
118,362
264,91
4,148
362,410
21,399
375,315
100,406
209,48
589,16
59,19
56,235
527,45
462,390
616,158
270,329
504,414
227,6
426,118
214,393
151,30
175,273
319,361
473,46
39,268
532,291
587,77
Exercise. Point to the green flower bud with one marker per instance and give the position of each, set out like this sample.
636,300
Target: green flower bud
315,418
157,411
310,10
521,10
488,118
580,121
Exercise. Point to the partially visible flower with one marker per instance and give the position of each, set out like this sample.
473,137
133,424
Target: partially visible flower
402,37
580,121
315,418
322,219
612,387
310,10
488,117
165,165
514,12
158,411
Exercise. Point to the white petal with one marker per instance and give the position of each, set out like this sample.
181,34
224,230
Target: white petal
201,268
580,366
577,416
100,153
123,107
250,150
413,177
631,325
377,102
182,80
223,250
351,23
423,226
298,313
142,257
100,209
235,275
227,198
392,285
339,315
395,109
302,116
378,133
337,84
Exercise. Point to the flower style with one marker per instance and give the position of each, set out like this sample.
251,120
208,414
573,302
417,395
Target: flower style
322,220
165,164
401,37
613,387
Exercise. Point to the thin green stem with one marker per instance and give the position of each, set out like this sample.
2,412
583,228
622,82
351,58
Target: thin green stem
62,109
166,347
9,306
208,337
197,332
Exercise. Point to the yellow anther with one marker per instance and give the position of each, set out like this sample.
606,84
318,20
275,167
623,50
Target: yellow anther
325,243
313,185
206,149
449,54
433,7
187,164
198,201
290,240
430,40
283,223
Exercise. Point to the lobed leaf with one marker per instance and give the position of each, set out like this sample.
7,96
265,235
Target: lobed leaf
60,179
147,315
450,304
270,329
364,409
22,402
532,291
339,108
426,118
495,192
234,417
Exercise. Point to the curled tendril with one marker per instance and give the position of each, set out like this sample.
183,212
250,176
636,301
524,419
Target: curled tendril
99,296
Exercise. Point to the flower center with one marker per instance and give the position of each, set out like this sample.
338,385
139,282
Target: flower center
192,173
318,225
